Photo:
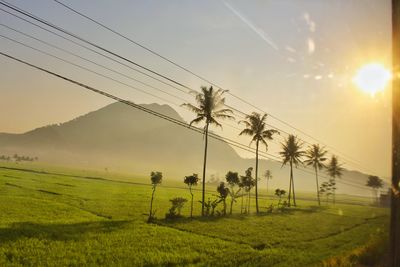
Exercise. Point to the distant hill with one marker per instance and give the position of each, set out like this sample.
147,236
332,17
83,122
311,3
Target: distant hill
123,139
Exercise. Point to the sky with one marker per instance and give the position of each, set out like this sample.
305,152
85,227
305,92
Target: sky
294,59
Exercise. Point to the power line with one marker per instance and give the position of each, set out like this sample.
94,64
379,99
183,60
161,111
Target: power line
200,77
84,68
83,58
49,24
106,50
92,50
157,114
149,111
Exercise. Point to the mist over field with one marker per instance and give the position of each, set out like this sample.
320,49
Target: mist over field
118,138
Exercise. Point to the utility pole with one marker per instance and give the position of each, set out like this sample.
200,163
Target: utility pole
395,199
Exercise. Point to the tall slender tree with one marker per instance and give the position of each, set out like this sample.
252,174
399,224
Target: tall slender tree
268,176
156,179
256,128
315,157
334,170
191,181
210,108
291,153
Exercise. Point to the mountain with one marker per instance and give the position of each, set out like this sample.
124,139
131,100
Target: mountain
121,138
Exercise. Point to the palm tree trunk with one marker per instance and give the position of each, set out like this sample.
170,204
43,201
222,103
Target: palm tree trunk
257,211
291,178
290,186
204,170
151,205
248,203
316,178
241,206
334,192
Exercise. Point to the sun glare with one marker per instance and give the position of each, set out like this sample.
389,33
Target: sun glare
372,78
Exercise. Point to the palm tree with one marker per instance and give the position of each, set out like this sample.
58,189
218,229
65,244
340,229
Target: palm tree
291,153
334,170
315,158
210,108
268,176
256,127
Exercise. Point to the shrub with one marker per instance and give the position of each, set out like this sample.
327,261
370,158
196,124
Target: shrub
175,210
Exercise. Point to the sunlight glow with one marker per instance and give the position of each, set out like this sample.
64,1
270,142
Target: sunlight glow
372,78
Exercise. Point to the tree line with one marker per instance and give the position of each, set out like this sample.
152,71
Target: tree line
18,158
210,109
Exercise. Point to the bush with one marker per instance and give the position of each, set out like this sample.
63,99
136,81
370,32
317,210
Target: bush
175,210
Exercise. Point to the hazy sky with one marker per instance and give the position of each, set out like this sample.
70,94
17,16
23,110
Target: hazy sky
293,58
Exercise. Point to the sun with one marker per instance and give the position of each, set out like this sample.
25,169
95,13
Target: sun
372,78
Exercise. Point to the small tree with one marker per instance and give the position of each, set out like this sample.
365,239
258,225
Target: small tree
327,189
156,179
232,178
375,183
248,182
210,206
280,193
223,192
175,210
191,181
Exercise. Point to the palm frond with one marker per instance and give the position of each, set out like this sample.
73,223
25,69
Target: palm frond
246,131
192,108
197,120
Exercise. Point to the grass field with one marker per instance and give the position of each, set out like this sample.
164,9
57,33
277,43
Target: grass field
57,217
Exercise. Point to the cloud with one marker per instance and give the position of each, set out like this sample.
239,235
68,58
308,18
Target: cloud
310,45
290,49
291,60
253,27
311,24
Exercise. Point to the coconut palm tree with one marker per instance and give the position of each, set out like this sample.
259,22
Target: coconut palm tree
334,170
268,176
315,157
210,108
291,153
256,128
